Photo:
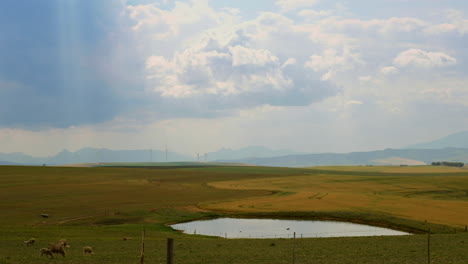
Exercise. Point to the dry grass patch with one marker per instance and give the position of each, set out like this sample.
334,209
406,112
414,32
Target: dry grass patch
436,199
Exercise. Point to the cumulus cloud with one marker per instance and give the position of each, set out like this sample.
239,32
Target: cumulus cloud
353,102
288,5
310,14
423,59
456,23
458,20
389,70
237,75
440,28
365,78
164,23
331,62
236,70
381,26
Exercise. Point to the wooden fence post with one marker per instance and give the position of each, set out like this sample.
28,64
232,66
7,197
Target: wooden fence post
170,251
294,249
429,247
142,256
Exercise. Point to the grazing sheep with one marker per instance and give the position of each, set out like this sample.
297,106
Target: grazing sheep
29,242
88,250
47,252
64,243
57,248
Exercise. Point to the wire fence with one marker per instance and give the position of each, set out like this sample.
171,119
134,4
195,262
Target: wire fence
425,248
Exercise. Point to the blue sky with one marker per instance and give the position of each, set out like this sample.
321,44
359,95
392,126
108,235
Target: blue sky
199,75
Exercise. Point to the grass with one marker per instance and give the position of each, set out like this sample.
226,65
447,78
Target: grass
100,206
110,248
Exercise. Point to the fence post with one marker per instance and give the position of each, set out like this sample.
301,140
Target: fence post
170,251
294,249
142,256
429,247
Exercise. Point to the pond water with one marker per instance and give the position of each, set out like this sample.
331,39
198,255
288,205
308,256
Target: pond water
276,228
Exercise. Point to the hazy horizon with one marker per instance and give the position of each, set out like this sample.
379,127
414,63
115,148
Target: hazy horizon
197,76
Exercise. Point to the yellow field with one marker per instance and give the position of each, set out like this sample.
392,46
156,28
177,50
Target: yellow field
437,198
393,169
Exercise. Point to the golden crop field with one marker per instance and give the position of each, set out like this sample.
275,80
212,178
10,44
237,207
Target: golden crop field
434,194
394,169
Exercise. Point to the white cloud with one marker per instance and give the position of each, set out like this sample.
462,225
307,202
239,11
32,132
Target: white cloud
420,58
218,70
353,102
288,5
331,61
440,28
389,70
311,15
365,78
288,62
381,26
242,64
245,56
458,20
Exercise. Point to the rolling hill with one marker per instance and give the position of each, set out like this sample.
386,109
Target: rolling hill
457,140
381,157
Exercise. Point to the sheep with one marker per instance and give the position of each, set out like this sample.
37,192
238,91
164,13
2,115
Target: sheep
29,242
58,248
88,250
64,243
47,252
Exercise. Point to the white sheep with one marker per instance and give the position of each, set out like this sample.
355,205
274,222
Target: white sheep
64,243
47,252
58,248
29,242
88,250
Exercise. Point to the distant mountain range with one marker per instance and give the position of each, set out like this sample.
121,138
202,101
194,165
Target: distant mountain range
249,152
457,140
453,147
381,157
8,163
450,148
92,155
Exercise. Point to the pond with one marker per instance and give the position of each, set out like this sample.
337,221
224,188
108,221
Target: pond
276,228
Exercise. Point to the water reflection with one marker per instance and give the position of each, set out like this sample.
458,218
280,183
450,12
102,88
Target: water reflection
276,228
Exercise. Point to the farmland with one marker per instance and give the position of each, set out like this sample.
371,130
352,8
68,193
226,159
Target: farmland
100,206
426,194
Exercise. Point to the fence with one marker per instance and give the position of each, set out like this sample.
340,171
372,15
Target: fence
443,248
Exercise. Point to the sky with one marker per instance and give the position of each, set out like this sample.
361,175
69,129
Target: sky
200,75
